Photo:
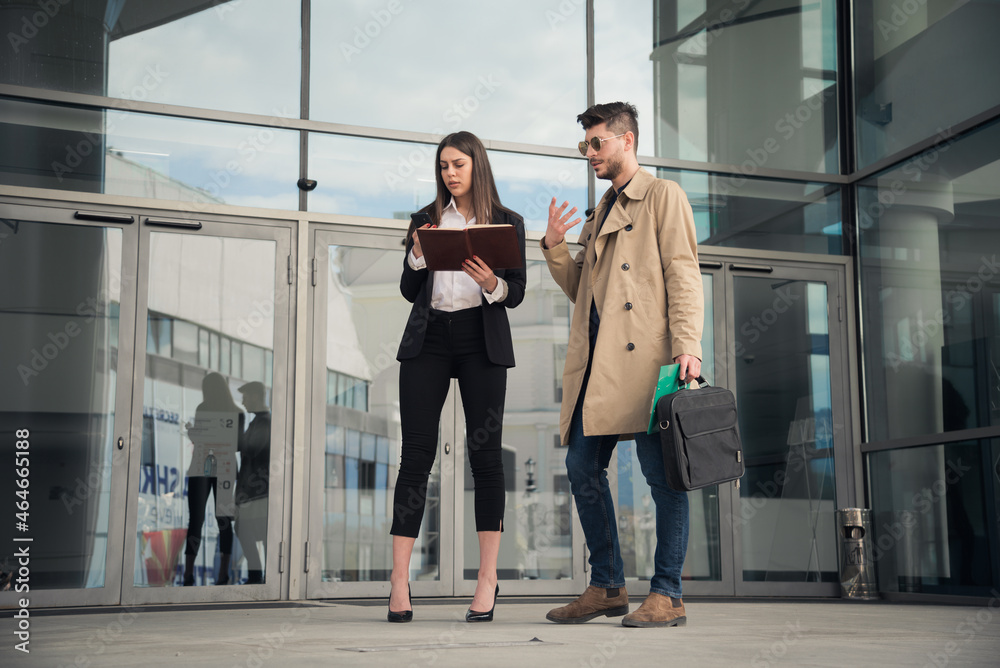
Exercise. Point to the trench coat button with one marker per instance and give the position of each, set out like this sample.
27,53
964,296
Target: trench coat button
625,267
628,306
628,228
630,346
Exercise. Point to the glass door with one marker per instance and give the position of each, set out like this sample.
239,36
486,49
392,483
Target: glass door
776,335
209,438
67,306
541,548
358,316
708,565
358,319
787,365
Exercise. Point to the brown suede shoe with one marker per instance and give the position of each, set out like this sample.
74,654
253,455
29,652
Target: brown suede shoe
594,602
657,610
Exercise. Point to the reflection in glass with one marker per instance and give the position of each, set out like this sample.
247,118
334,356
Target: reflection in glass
931,43
527,183
712,94
159,60
59,362
196,54
391,179
782,365
490,89
766,214
204,475
365,318
934,513
140,155
929,231
634,501
537,539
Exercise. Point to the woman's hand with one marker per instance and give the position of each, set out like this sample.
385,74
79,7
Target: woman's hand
417,250
480,273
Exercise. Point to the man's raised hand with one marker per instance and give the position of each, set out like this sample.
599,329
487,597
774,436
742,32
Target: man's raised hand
556,230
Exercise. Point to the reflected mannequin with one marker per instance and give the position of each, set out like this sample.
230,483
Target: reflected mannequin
215,434
253,481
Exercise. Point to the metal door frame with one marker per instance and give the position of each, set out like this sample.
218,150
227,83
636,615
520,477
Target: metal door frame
451,455
454,423
834,272
320,238
104,217
281,232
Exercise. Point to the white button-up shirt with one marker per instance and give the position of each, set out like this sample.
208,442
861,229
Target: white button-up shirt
455,290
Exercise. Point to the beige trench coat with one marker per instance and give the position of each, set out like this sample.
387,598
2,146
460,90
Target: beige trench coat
642,272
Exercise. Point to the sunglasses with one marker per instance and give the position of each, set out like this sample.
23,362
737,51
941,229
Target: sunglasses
595,143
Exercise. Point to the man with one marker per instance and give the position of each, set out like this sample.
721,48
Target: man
639,305
253,480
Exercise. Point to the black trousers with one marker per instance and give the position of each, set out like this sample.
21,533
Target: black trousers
198,490
454,347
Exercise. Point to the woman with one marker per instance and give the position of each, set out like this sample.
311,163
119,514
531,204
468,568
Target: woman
218,425
457,328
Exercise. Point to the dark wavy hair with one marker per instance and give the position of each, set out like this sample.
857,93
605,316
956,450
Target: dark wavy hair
620,117
485,198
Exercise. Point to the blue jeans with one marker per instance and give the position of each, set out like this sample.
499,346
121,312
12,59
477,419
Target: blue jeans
587,466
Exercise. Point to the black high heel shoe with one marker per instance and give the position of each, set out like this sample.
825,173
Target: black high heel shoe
473,616
406,615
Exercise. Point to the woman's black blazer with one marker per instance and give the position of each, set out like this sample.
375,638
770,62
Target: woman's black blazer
416,286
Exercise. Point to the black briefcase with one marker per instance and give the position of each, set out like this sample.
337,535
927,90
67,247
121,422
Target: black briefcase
700,437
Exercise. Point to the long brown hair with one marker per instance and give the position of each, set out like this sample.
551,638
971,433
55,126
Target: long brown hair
485,198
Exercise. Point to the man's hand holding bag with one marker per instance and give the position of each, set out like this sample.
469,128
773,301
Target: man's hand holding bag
700,437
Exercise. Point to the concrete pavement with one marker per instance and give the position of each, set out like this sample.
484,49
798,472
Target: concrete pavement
720,632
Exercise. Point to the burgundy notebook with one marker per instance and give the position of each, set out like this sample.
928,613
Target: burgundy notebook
445,249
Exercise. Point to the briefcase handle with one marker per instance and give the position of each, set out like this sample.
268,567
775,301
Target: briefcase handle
701,382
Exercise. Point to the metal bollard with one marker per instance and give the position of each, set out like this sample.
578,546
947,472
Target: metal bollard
854,550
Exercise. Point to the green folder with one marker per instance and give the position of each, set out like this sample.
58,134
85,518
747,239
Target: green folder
667,384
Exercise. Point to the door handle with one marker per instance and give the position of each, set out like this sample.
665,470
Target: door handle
190,225
121,442
447,448
104,217
751,267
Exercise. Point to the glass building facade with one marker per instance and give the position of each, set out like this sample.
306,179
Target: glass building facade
197,356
